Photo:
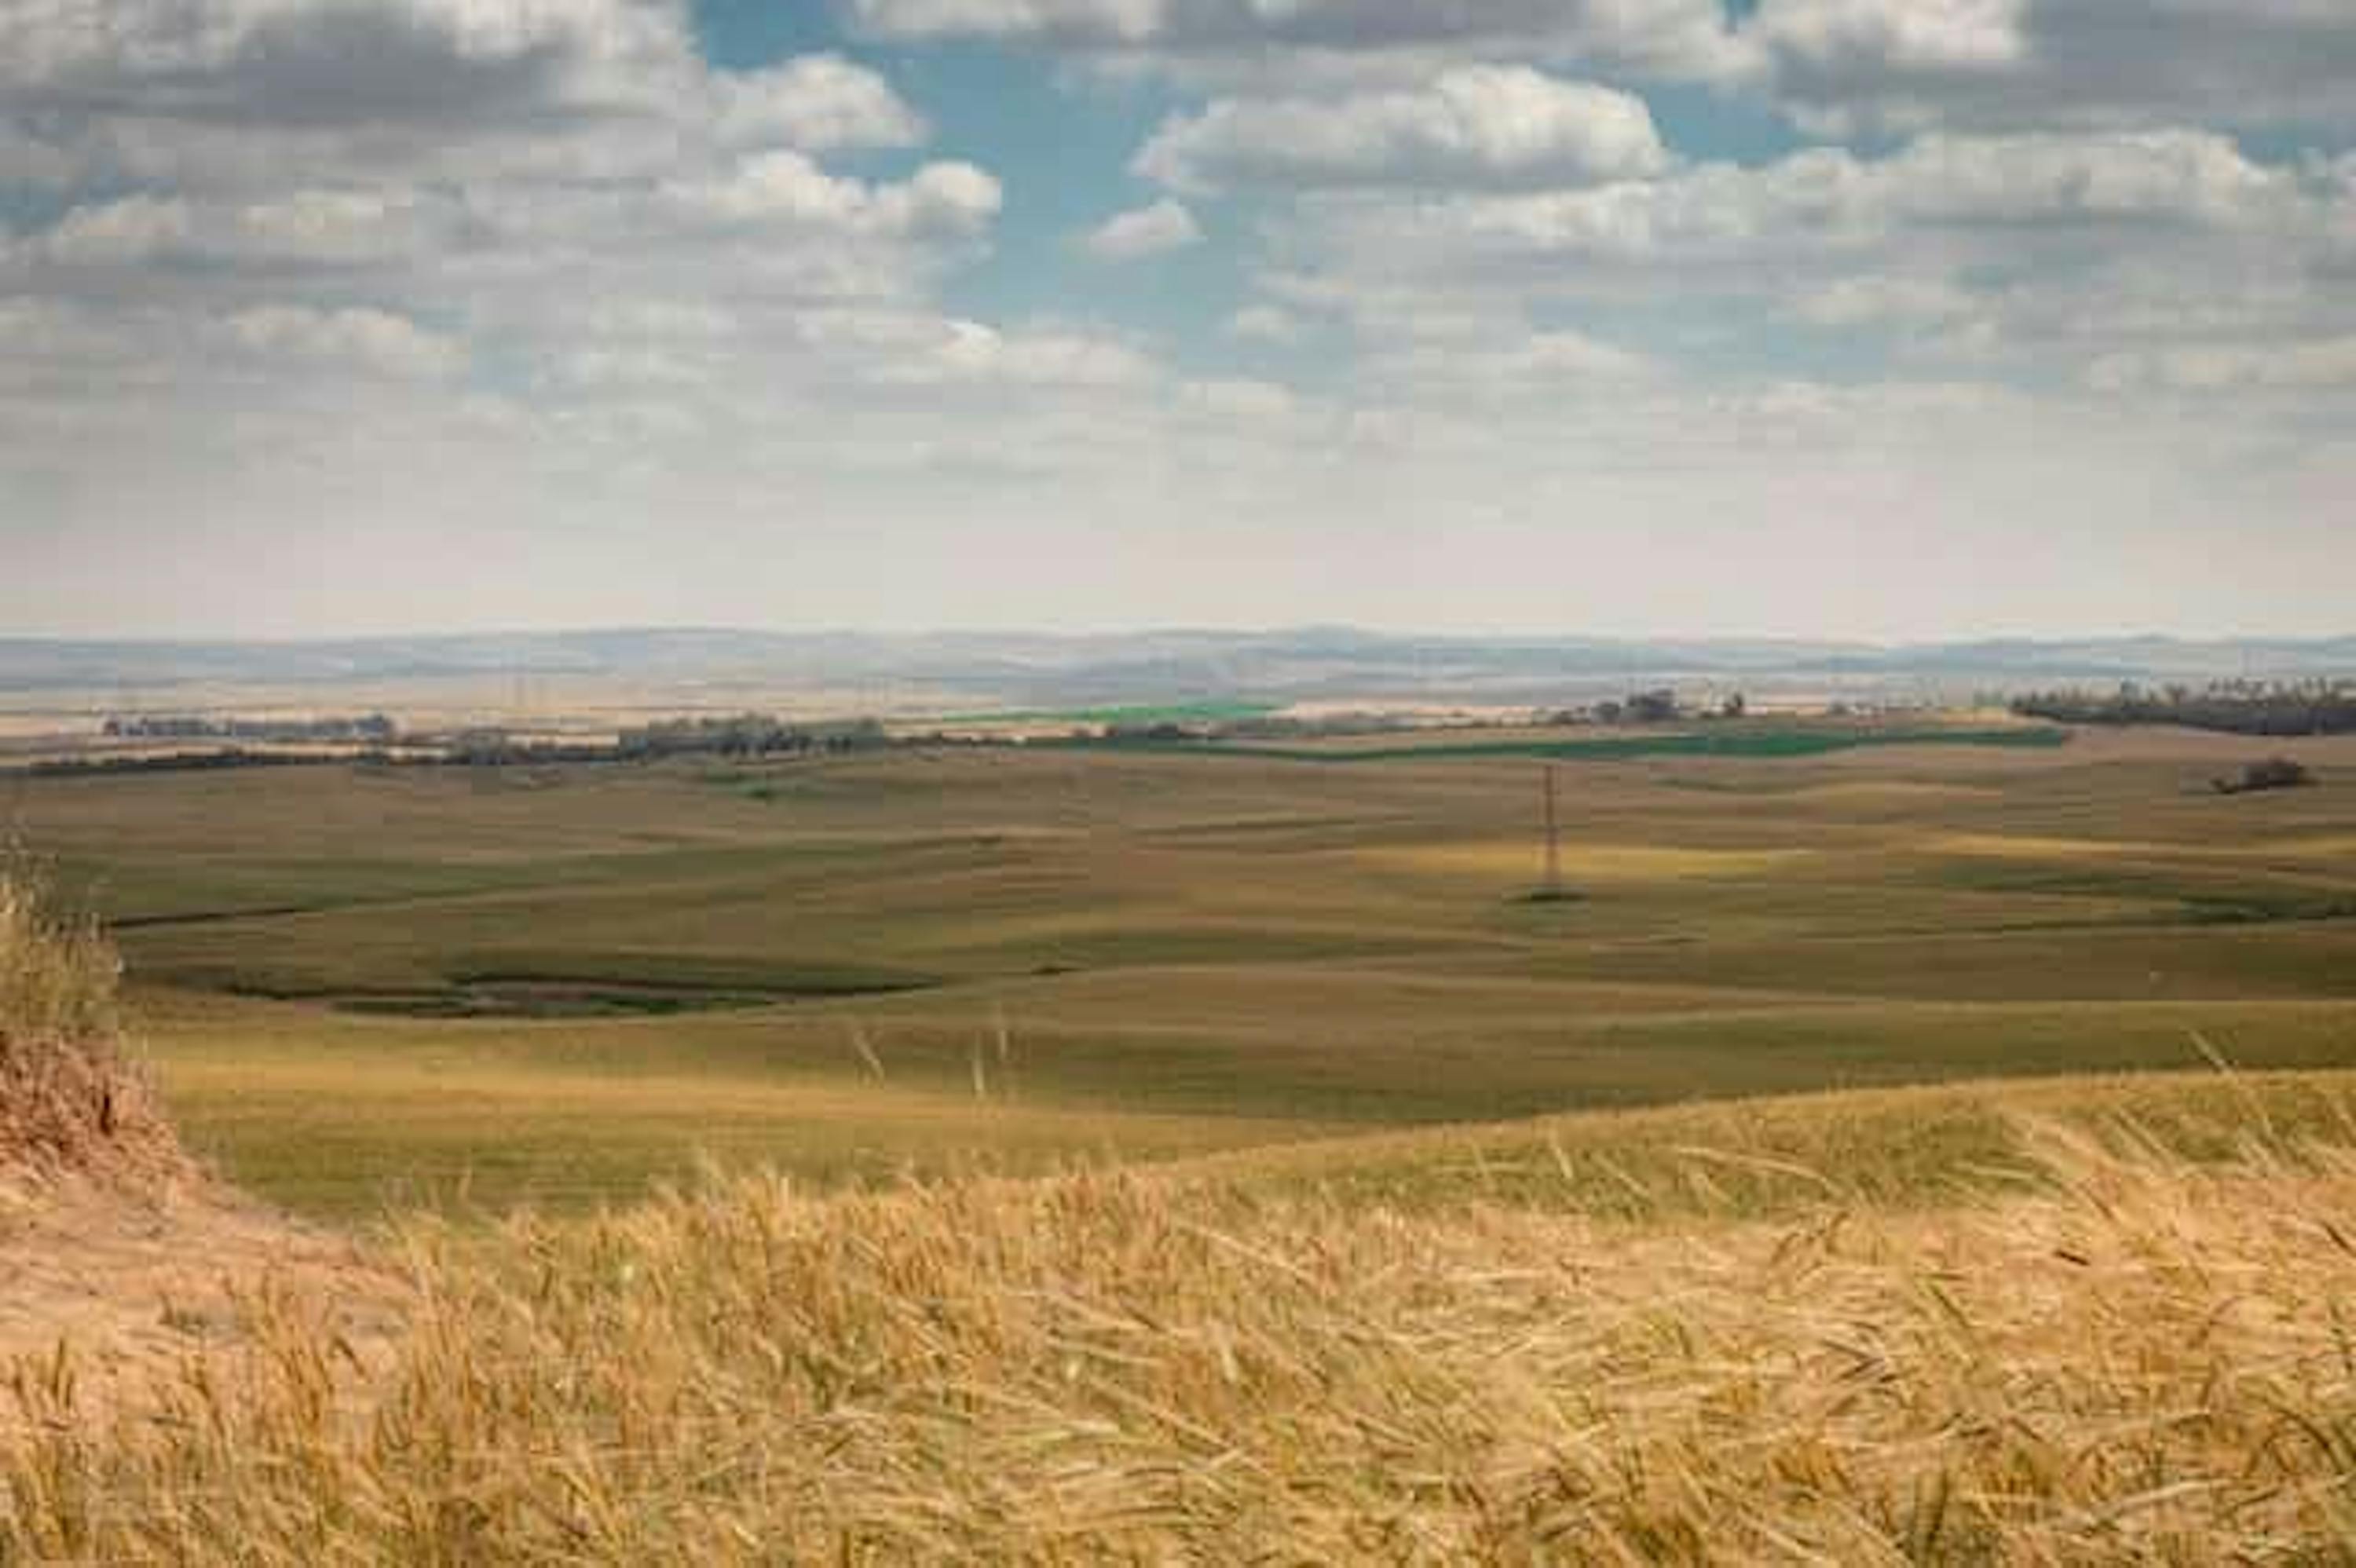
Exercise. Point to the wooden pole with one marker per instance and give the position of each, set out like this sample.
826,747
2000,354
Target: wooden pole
1553,838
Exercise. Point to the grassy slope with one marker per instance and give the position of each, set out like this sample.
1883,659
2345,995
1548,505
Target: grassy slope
1912,1148
336,1115
1186,953
1717,1335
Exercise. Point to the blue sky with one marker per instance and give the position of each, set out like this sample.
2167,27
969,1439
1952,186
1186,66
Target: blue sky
1063,145
1062,148
1889,318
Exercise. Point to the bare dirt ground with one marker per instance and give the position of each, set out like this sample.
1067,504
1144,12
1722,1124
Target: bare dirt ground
137,1285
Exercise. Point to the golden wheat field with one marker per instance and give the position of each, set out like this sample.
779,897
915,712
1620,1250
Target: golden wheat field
2119,1355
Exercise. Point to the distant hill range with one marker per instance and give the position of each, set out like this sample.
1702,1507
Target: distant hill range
1306,664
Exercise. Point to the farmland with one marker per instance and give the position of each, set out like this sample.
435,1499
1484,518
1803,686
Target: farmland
1802,1185
362,986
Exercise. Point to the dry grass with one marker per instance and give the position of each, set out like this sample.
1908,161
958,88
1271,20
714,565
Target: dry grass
1491,860
68,1100
56,976
1192,951
2143,1359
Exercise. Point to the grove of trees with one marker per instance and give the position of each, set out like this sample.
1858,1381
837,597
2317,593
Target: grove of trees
2240,706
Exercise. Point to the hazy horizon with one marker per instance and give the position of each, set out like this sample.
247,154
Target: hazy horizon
1144,630
1886,320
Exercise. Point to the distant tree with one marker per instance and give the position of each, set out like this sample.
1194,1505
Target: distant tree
1658,707
747,735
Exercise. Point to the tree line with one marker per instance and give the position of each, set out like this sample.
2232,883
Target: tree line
2239,706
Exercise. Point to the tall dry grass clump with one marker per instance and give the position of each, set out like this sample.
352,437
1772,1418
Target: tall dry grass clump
69,1100
2144,1361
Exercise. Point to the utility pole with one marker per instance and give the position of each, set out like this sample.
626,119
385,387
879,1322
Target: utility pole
1553,838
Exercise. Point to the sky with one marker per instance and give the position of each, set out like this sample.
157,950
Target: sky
1894,319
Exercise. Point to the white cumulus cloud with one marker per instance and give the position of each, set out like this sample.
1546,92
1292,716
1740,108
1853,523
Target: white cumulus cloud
817,102
1265,324
1473,125
1253,38
373,341
1154,230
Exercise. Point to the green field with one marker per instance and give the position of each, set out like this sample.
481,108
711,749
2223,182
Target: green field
362,986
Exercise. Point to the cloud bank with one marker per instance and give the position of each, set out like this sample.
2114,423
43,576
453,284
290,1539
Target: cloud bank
1480,312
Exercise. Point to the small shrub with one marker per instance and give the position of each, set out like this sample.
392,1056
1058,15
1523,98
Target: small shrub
2275,772
58,976
68,1098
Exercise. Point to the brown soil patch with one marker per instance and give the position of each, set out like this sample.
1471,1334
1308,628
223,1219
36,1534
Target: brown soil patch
132,1286
123,1262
